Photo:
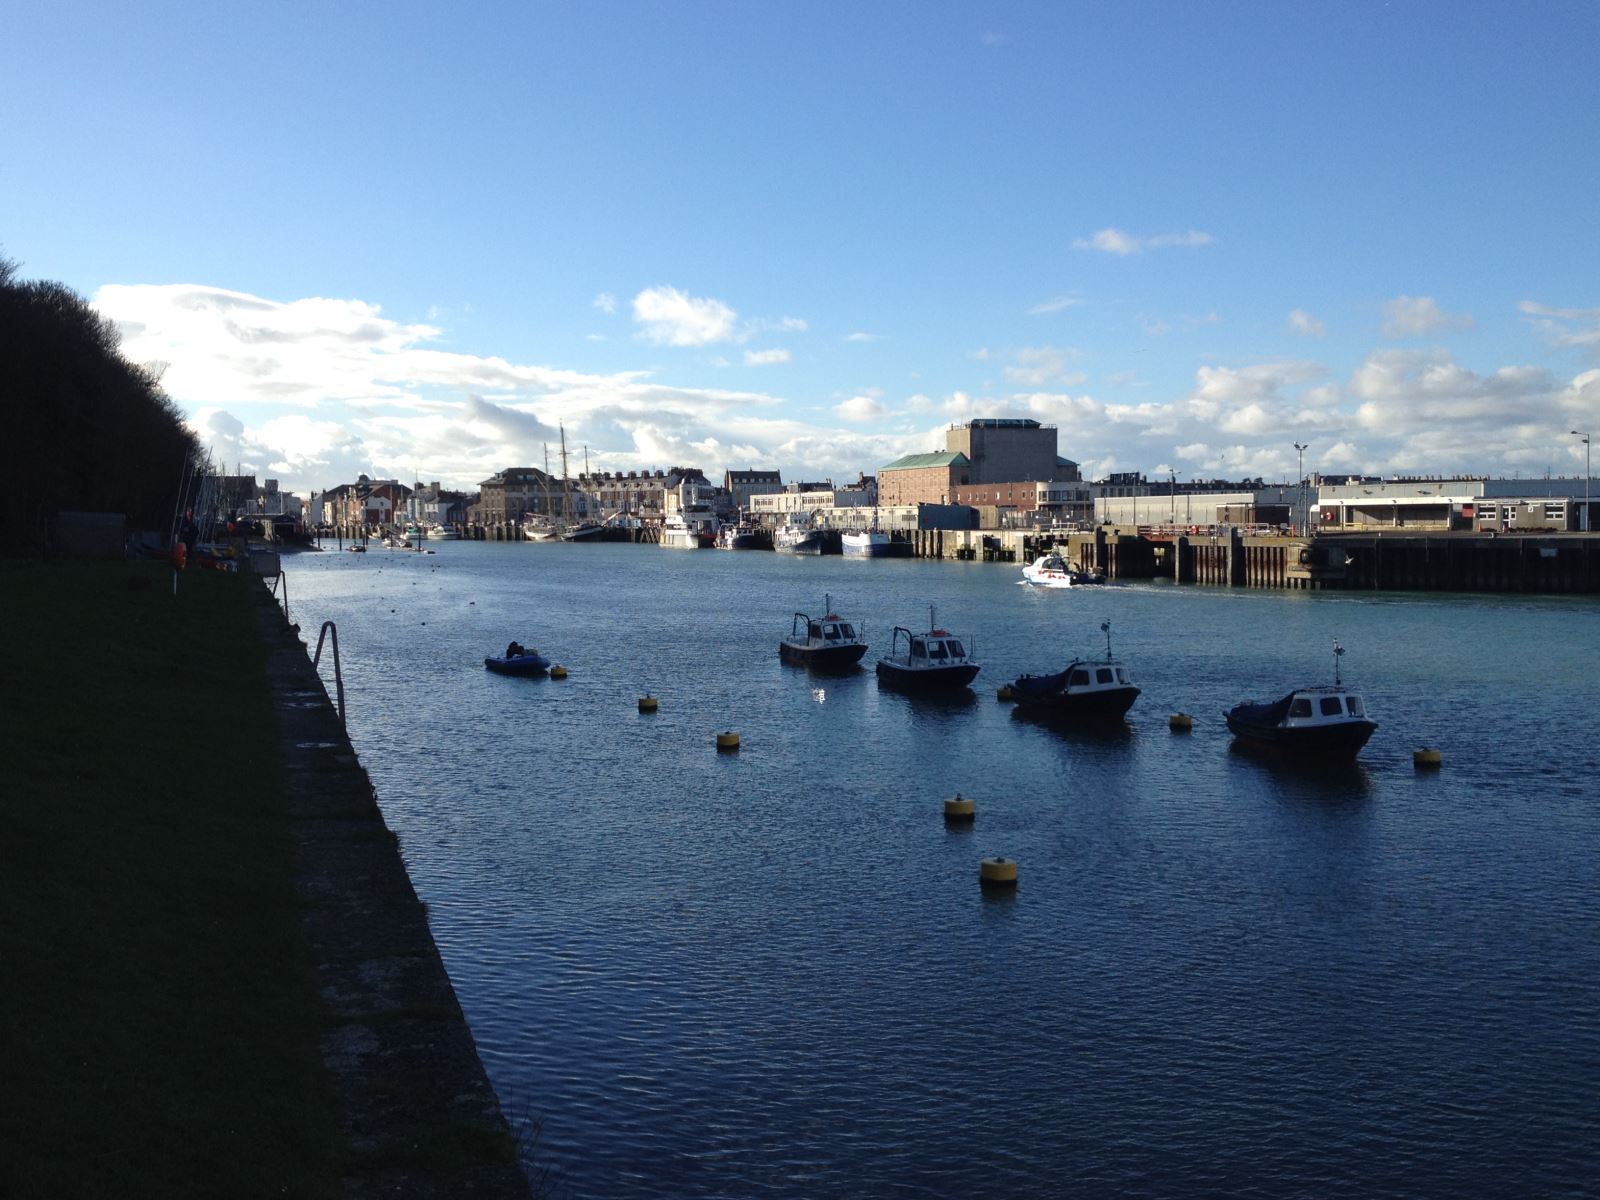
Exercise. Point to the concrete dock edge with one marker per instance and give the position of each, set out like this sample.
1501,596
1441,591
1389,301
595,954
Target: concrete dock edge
416,1106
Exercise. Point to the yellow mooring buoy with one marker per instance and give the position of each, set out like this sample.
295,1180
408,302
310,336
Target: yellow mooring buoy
558,672
1004,692
1180,722
1427,759
997,873
647,703
960,810
727,740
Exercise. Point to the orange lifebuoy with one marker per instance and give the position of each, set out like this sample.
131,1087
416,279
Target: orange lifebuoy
180,555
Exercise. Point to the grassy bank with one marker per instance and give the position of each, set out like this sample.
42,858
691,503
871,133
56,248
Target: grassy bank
158,1012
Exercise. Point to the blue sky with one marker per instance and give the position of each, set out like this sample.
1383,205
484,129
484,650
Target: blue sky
412,241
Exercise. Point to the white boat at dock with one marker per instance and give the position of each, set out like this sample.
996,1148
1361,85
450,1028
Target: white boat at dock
867,543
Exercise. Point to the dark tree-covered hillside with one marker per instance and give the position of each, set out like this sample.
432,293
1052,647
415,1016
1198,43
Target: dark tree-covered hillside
83,428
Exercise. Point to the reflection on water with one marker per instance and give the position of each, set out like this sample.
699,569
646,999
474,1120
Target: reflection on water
1082,731
1328,779
938,700
775,973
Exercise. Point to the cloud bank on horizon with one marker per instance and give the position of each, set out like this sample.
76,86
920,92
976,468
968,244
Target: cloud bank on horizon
315,391
811,238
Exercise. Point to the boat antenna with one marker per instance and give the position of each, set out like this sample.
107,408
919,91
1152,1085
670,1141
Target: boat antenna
827,603
1105,628
1338,652
932,623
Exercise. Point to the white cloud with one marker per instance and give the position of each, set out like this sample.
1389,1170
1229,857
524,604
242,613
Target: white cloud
1054,305
606,303
1581,398
1565,327
863,337
1039,366
1418,316
765,358
669,317
861,409
314,391
1115,241
1408,392
1306,325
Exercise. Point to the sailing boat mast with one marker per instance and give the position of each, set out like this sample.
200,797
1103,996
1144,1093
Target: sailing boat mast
564,485
546,481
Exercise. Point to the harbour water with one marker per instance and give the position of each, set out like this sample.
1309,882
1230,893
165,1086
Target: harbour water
773,973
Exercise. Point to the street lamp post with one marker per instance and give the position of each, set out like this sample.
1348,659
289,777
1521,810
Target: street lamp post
1586,473
1300,450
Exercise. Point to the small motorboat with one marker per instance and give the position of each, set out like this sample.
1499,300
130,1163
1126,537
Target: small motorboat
932,661
529,662
1084,691
1323,722
1053,571
828,643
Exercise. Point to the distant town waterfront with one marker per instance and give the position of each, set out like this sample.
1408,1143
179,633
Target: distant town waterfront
773,971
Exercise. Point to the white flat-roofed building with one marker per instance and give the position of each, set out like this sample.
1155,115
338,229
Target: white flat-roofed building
779,504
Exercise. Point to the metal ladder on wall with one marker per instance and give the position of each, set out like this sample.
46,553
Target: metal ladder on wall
329,633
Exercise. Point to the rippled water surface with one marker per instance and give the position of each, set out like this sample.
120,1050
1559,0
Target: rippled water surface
773,972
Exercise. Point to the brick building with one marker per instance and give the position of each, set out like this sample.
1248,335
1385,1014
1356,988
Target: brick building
923,478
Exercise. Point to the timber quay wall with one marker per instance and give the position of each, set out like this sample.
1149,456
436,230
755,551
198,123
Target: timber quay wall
1552,563
419,1116
1241,557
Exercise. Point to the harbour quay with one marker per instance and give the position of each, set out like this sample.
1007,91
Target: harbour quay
1000,491
1440,561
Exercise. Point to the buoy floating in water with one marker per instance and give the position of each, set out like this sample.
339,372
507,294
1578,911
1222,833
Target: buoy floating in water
960,810
1004,692
727,740
1427,759
558,672
647,703
1180,722
997,873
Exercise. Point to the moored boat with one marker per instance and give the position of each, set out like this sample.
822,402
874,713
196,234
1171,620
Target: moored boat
1320,722
866,543
689,530
798,536
933,661
828,643
1083,691
742,537
529,662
